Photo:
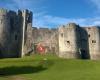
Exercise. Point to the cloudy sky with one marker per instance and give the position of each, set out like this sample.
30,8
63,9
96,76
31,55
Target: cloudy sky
52,13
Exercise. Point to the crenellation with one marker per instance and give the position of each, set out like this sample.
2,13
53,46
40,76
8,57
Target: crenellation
3,11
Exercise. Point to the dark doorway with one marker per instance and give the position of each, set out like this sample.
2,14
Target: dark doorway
84,54
1,55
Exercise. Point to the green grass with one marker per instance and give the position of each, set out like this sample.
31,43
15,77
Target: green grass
54,68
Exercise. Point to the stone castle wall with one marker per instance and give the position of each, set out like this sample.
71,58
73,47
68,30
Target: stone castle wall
68,40
94,41
79,42
19,38
4,32
14,28
46,37
27,32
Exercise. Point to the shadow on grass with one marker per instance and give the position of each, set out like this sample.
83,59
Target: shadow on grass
9,71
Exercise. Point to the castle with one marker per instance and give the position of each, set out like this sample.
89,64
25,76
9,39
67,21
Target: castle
19,38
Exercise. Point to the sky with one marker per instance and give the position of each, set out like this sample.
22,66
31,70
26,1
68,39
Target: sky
53,13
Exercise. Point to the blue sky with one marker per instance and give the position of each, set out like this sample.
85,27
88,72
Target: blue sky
52,13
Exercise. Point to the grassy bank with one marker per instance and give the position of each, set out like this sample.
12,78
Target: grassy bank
48,67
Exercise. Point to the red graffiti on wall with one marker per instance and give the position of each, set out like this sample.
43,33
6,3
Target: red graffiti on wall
41,49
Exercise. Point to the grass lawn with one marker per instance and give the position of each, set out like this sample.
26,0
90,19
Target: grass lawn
48,67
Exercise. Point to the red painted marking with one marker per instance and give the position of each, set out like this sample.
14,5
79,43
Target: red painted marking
41,49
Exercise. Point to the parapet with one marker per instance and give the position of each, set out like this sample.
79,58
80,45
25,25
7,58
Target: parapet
72,25
43,28
12,12
91,28
3,11
34,27
26,11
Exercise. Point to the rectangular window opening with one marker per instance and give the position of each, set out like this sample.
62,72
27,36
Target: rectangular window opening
16,37
93,41
62,34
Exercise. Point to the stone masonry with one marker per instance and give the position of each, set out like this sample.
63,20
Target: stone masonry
14,28
79,42
19,38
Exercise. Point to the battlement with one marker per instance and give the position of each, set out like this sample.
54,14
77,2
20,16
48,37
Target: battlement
72,25
44,29
3,11
12,12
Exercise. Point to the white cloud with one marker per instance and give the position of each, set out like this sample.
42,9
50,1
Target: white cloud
27,3
53,21
96,3
42,19
33,5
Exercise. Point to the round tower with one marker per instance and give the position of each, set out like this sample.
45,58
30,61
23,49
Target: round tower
69,41
4,31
